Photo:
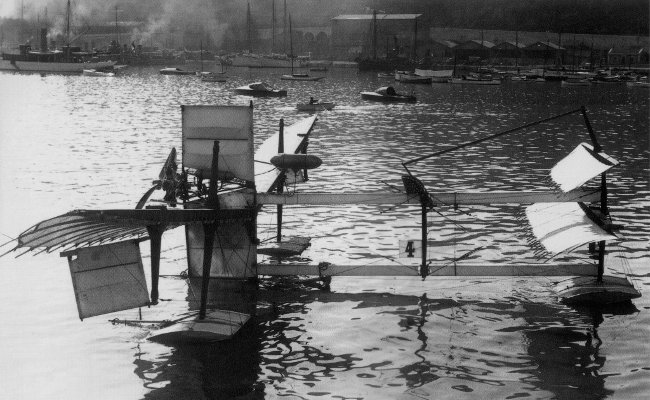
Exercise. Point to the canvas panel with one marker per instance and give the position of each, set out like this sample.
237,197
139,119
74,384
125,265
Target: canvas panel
232,126
581,165
563,226
108,278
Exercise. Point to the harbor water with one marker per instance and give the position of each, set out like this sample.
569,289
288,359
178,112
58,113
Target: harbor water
75,142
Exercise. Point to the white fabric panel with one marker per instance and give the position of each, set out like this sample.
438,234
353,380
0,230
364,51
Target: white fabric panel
108,278
563,226
579,166
232,126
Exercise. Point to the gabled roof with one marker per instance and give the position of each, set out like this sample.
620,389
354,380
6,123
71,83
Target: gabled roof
380,17
476,43
627,51
545,45
509,45
446,43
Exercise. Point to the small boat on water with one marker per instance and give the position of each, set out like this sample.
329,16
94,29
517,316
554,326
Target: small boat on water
437,76
260,89
315,105
94,72
300,77
212,77
410,77
575,82
175,71
388,94
476,79
385,75
639,84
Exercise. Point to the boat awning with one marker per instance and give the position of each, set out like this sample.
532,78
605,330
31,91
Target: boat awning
87,227
581,165
563,227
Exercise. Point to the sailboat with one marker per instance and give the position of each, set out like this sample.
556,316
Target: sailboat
223,183
294,75
253,60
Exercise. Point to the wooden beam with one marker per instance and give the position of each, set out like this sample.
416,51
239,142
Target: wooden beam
434,270
440,198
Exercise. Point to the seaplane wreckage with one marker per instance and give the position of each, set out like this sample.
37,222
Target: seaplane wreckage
223,184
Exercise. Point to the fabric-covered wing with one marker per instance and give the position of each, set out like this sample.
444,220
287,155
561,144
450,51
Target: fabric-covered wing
87,227
77,228
564,226
579,166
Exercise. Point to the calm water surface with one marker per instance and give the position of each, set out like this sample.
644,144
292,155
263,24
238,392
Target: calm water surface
80,142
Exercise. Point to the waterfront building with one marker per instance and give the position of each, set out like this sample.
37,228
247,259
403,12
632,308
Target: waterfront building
474,50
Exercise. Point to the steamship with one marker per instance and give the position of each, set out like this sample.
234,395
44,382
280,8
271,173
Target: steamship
69,59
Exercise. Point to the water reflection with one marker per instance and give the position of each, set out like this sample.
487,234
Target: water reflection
403,345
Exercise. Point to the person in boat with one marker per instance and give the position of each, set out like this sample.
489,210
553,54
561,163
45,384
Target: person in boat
311,100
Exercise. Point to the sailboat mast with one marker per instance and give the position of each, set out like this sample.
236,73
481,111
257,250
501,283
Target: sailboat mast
415,38
517,48
284,28
273,27
374,34
248,28
117,29
67,28
291,44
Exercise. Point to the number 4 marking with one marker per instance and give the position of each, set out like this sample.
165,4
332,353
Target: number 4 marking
409,248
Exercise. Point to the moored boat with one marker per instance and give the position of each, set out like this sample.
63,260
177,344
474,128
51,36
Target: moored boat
575,82
300,77
388,94
94,72
410,77
475,79
176,71
212,77
260,89
68,60
437,76
315,105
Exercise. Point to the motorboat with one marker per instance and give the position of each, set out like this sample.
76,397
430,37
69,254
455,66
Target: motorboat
300,77
260,89
575,82
94,72
388,94
315,105
175,71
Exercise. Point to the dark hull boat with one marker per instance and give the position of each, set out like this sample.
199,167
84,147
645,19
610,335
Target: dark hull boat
388,94
260,89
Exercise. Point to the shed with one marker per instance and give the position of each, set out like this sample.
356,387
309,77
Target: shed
474,49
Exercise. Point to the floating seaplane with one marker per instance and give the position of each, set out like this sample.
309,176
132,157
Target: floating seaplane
223,184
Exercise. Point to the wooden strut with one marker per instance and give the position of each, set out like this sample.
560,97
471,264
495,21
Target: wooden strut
155,235
209,231
603,196
424,268
280,186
